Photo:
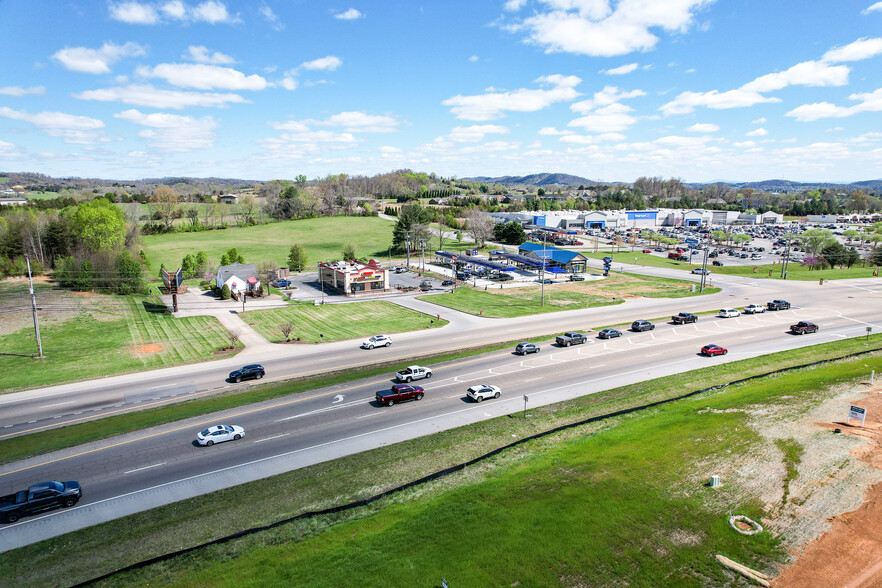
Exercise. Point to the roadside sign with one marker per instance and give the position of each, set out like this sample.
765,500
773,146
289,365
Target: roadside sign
691,241
856,412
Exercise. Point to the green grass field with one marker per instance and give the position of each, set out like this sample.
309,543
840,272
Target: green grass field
621,502
339,321
323,239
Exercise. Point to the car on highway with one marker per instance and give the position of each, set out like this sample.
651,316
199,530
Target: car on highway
571,338
482,391
701,271
413,372
778,305
39,498
684,317
447,282
712,350
398,393
609,334
754,309
803,327
641,326
254,370
377,341
728,313
717,262
219,434
526,347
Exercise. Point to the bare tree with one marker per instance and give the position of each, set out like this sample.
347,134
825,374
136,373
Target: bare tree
286,328
164,204
233,337
480,225
441,233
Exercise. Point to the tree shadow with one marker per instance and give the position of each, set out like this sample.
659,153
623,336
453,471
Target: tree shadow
154,307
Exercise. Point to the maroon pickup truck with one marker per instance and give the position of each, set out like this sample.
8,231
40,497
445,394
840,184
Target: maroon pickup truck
803,327
398,393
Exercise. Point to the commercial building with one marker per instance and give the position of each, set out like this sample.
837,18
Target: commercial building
351,278
622,219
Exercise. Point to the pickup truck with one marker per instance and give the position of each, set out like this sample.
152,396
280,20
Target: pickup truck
754,309
413,372
803,327
570,338
398,393
39,497
778,305
683,318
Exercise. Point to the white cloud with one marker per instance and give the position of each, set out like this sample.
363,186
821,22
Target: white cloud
473,58
134,13
760,132
211,12
592,139
96,61
686,102
201,54
551,131
147,95
389,150
760,121
589,27
173,132
703,128
359,122
329,63
872,8
174,9
744,144
493,105
203,77
271,17
621,70
19,91
70,128
608,119
351,14
288,83
475,133
807,73
867,102
860,49
608,95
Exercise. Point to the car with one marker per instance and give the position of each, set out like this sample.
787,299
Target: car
545,281
754,309
502,277
413,372
447,282
219,434
778,305
283,283
425,285
571,338
712,350
647,251
482,391
577,278
398,393
728,313
377,341
701,271
609,334
684,317
803,327
744,256
659,250
641,326
254,370
756,256
525,348
400,270
717,262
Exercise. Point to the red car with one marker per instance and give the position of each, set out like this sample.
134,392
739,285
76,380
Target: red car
711,350
647,251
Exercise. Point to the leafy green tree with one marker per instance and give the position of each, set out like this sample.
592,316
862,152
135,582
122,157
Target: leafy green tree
349,252
741,238
835,254
511,233
409,216
297,259
188,266
231,256
86,277
130,273
201,262
852,258
99,224
815,240
225,292
540,192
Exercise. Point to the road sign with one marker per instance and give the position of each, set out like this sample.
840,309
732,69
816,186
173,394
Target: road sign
692,242
856,412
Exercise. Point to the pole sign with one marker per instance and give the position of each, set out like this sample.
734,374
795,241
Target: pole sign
856,412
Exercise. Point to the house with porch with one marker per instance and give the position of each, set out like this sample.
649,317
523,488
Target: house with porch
242,278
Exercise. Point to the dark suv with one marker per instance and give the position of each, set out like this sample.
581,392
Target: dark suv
254,370
642,326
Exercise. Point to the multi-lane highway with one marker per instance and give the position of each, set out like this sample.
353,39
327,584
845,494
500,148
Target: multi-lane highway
161,465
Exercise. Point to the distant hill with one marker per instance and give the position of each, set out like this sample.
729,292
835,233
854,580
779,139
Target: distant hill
549,179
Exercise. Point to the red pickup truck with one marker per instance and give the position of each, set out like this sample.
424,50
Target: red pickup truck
398,393
803,327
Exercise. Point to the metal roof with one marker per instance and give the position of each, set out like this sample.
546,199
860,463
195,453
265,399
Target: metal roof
475,260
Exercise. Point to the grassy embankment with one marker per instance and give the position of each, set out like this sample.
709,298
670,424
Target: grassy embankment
794,270
619,502
522,301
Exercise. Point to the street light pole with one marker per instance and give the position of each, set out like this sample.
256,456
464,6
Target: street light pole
34,310
423,254
542,270
407,247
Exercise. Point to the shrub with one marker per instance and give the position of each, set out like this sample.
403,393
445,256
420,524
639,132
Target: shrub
225,292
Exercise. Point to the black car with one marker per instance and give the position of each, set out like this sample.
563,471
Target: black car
717,262
640,326
609,334
447,283
254,370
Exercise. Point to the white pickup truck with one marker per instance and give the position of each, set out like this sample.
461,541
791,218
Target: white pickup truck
754,309
413,372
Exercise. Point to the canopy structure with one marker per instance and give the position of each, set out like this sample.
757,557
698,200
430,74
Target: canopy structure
468,259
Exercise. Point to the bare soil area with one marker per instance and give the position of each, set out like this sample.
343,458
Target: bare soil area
148,348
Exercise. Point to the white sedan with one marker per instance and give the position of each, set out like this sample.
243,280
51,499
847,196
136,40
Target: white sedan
219,434
482,391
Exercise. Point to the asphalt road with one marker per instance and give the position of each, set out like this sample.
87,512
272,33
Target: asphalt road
157,466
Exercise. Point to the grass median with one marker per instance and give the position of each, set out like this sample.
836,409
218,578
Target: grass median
615,502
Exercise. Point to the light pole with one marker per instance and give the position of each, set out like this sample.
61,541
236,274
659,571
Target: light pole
407,247
321,281
423,254
542,270
34,308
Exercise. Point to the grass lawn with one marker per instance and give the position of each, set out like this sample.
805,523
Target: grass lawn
339,321
323,239
513,302
620,502
99,335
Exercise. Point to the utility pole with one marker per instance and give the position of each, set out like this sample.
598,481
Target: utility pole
34,310
407,246
542,269
786,254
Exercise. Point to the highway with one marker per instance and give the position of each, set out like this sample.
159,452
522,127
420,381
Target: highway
161,465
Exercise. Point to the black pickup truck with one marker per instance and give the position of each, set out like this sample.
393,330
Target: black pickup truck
39,497
571,338
778,305
684,317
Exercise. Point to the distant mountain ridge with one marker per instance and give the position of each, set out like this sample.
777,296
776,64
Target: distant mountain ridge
547,179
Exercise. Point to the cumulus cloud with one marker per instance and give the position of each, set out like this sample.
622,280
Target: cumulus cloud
133,12
807,73
608,95
288,83
203,77
70,128
355,122
96,61
574,139
866,102
173,132
329,63
760,132
493,105
686,102
608,119
761,120
475,133
19,91
148,96
877,7
201,54
703,128
351,14
271,17
552,131
621,70
860,49
591,27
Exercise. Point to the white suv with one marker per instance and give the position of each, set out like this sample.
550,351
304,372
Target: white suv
728,313
377,341
482,391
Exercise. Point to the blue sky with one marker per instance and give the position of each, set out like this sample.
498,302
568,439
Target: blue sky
611,90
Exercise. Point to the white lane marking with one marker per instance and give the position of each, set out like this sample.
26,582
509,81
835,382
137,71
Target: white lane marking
317,411
270,438
531,380
653,354
164,386
58,404
156,465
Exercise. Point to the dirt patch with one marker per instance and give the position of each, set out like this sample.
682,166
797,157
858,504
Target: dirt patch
148,348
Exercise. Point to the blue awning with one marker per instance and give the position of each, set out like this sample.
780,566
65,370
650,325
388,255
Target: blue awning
556,270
